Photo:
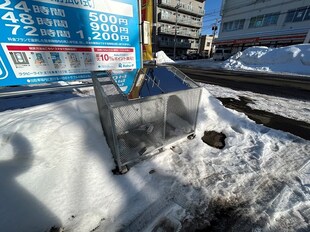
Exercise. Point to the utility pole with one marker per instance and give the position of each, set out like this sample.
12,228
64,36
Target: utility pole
214,29
307,39
154,31
175,29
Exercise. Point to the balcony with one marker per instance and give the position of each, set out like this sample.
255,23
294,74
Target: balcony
164,30
166,3
185,8
183,32
166,18
191,10
194,46
201,12
170,44
190,22
185,22
182,20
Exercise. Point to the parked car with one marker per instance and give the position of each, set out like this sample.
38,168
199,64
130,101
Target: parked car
177,58
221,54
183,57
194,56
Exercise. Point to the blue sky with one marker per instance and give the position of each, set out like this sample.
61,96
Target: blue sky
212,12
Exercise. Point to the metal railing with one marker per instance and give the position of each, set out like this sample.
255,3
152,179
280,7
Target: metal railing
171,44
180,32
181,20
184,7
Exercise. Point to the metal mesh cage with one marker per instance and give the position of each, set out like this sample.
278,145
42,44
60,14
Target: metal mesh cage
137,128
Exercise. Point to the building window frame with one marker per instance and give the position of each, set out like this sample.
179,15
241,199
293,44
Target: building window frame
307,15
298,15
264,20
233,25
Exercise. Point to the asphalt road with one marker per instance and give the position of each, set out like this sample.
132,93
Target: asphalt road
296,87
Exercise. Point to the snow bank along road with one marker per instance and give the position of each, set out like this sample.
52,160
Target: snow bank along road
271,84
274,84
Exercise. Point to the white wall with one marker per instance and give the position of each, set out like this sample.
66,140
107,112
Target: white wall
242,9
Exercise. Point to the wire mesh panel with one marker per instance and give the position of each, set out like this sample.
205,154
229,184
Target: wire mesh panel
181,110
137,128
106,93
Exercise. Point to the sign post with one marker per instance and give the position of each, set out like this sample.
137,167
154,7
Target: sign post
53,40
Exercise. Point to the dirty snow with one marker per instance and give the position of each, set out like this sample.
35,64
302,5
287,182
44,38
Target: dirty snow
56,171
294,109
293,59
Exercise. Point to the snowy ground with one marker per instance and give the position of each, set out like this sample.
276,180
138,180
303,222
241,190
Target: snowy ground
289,108
292,59
287,60
56,171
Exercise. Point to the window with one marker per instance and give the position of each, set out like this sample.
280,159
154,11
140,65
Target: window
298,15
189,6
241,24
234,25
264,20
290,16
208,44
270,19
259,21
307,16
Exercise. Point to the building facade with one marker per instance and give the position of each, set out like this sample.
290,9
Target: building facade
178,26
272,23
206,46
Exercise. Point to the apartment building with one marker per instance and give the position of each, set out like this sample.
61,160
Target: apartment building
206,46
272,23
178,26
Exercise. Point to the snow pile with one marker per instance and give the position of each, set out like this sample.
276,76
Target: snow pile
293,109
286,60
161,58
55,170
291,59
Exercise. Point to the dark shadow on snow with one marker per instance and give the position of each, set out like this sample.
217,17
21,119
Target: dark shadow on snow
20,102
299,128
19,209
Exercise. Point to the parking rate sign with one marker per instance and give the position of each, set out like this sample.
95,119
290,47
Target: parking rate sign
53,40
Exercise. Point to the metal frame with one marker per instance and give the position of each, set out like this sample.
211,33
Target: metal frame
135,129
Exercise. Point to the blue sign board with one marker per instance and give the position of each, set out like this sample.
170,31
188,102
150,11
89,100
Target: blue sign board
124,79
52,40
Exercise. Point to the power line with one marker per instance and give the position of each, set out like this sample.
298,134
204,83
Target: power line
211,19
211,13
